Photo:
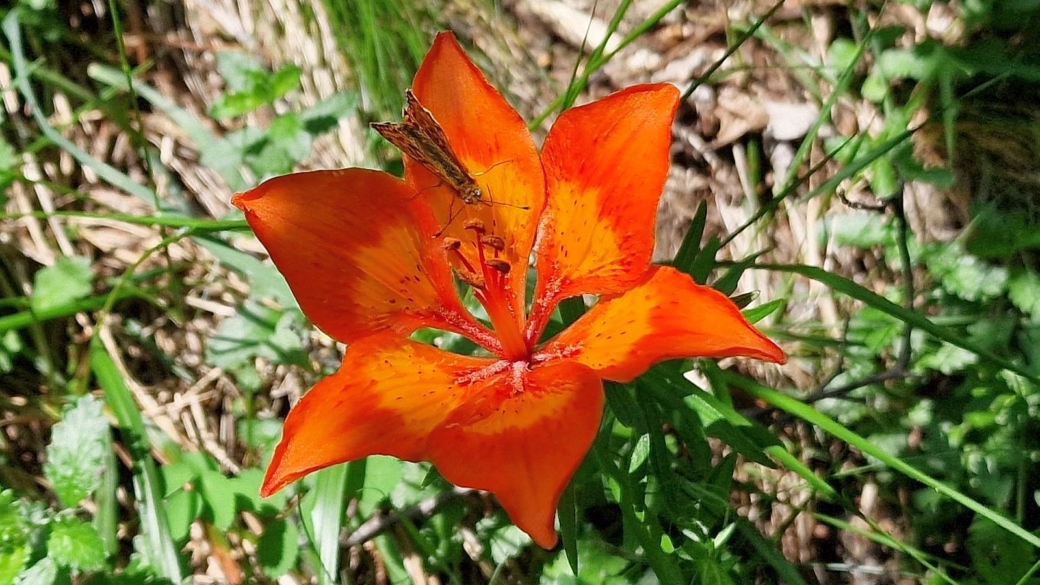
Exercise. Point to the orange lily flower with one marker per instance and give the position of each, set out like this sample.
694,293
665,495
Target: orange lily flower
371,258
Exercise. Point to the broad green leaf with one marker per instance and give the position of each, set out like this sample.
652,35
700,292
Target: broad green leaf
995,557
76,455
277,548
182,509
44,572
382,474
76,545
67,281
218,498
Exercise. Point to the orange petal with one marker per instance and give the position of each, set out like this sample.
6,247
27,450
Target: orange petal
386,399
522,438
667,316
350,244
495,147
605,166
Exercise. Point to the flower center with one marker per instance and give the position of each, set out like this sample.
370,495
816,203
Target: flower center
488,280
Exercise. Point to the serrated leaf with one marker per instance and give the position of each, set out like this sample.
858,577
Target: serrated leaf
277,548
68,280
44,572
76,545
965,275
1024,292
76,455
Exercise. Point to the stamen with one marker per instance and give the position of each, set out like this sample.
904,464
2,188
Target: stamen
471,278
496,264
476,225
496,243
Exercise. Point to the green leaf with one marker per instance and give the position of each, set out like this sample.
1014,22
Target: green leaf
1024,292
382,474
12,561
9,161
283,81
288,133
257,331
182,508
326,114
756,314
76,455
965,275
44,572
235,104
76,545
68,280
218,497
508,542
238,70
277,548
860,229
10,346
997,558
14,538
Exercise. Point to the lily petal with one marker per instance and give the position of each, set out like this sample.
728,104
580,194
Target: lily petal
387,397
493,143
522,438
350,244
667,316
605,167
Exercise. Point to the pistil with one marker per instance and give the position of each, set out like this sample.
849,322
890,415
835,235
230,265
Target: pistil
489,286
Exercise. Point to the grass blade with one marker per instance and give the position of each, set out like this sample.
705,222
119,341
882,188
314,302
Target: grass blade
812,416
162,550
12,29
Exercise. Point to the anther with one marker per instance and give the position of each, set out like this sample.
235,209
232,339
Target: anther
496,243
496,264
471,278
452,244
475,225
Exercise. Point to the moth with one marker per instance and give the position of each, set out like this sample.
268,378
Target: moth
421,138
